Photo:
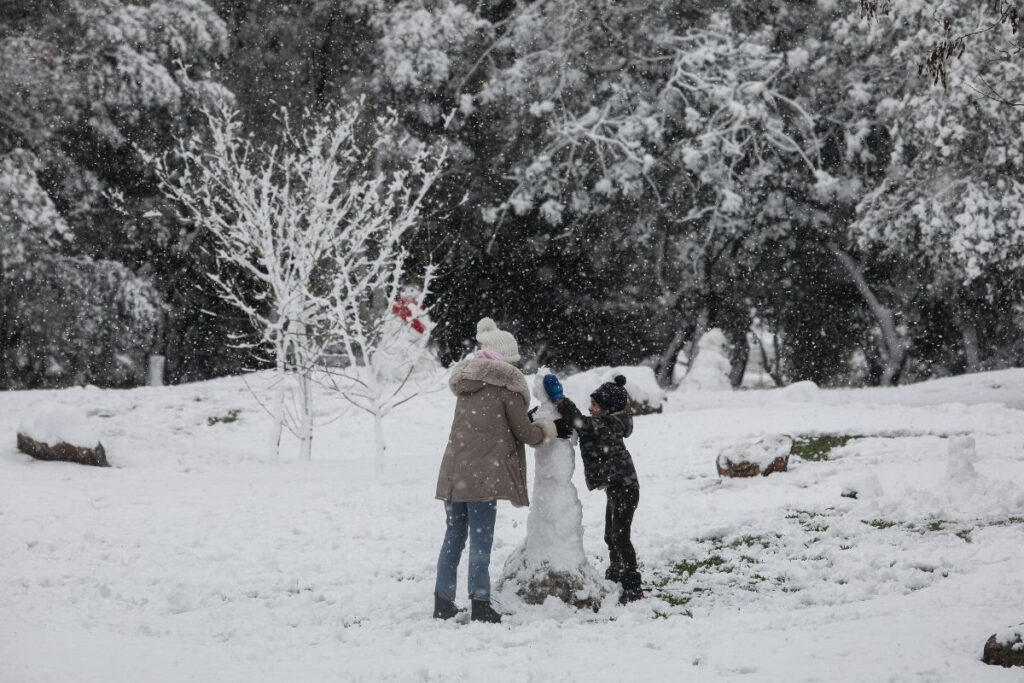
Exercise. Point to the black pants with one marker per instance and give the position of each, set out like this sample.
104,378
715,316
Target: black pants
618,522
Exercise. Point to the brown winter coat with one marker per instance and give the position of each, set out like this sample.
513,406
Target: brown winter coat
485,458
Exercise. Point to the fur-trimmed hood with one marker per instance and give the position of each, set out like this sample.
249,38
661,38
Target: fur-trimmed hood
472,374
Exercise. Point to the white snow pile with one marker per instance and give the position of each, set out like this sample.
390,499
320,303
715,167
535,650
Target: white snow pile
60,424
1012,634
641,384
804,391
760,451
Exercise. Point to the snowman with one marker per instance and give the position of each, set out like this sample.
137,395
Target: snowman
710,370
403,357
551,560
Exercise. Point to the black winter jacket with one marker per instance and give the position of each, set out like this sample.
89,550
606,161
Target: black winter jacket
606,462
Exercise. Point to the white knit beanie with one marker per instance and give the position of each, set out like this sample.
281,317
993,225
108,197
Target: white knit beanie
491,338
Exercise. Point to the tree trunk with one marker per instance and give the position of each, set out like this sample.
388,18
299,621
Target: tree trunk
306,418
324,62
738,360
972,346
277,413
667,362
378,433
278,407
698,331
895,348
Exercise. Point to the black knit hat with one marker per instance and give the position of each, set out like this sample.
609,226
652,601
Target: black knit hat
612,396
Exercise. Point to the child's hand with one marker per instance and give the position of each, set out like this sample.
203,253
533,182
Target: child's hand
553,388
566,407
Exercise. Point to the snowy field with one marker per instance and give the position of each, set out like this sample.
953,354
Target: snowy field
192,559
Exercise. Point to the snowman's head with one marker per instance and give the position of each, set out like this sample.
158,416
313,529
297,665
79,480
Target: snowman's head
539,392
546,410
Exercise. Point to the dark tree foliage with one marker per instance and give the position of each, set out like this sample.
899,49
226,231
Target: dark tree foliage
804,249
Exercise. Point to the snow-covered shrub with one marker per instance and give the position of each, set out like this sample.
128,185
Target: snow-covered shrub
80,321
422,43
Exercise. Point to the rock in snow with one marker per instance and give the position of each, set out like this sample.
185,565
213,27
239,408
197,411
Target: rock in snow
1005,648
763,455
61,434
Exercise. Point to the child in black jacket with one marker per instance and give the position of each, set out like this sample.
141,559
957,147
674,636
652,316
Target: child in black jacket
608,465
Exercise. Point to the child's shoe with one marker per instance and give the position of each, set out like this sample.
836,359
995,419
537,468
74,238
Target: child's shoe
631,590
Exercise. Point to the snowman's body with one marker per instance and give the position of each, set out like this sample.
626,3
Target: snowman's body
551,561
711,368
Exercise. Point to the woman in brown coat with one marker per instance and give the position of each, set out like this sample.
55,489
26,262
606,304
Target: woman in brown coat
485,462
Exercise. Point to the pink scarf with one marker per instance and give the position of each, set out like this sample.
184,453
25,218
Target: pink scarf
492,355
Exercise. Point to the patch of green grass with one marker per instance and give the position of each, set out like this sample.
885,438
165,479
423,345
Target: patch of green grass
879,523
817,448
962,531
812,522
232,416
688,568
1006,522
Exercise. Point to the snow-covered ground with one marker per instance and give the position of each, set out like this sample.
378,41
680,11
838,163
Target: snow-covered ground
192,559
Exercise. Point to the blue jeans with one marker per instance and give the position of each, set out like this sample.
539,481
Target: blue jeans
475,520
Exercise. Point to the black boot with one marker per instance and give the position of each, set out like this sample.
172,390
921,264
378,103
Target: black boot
631,591
444,609
613,573
482,611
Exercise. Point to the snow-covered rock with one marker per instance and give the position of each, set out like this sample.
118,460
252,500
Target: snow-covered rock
551,560
762,455
60,424
1005,648
61,433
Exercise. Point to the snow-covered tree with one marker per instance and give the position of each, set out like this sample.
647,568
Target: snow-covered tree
316,223
64,319
85,85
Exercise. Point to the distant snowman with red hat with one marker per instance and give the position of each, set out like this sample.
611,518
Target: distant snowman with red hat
403,356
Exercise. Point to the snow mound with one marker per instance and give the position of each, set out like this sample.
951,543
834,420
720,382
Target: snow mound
960,461
641,384
61,424
800,391
1012,634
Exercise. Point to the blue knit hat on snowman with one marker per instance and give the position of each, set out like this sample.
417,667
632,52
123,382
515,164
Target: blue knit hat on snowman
612,396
